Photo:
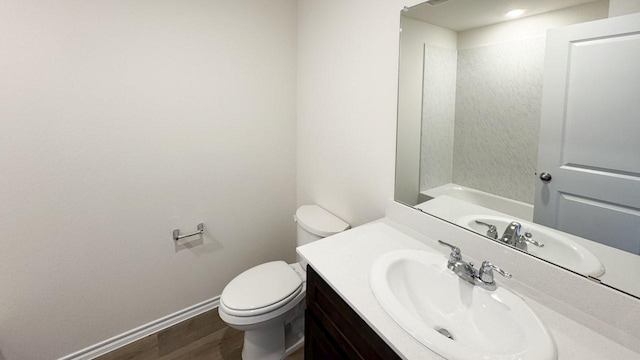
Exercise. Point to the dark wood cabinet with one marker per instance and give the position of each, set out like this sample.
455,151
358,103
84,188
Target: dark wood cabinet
334,331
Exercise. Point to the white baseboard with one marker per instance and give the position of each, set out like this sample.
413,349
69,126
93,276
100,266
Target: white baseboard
138,333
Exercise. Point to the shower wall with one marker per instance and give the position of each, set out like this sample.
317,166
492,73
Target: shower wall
438,115
497,117
480,117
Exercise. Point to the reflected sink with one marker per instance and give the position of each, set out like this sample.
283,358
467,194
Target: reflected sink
453,318
558,248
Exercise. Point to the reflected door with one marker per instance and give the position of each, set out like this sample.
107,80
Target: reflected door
589,157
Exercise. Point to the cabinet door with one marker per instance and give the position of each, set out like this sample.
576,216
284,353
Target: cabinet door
335,330
318,345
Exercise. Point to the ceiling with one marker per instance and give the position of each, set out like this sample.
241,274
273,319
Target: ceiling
459,15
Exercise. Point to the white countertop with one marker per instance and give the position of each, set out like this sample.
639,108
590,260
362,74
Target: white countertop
345,260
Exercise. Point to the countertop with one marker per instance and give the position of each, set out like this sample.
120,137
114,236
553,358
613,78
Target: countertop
345,260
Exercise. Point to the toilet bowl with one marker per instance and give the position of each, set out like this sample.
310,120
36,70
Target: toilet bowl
267,301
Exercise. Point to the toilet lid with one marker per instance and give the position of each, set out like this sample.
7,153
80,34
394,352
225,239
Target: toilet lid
261,289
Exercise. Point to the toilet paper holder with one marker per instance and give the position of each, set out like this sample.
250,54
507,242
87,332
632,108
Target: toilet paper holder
177,236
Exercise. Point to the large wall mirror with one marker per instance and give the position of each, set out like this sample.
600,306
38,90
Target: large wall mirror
519,120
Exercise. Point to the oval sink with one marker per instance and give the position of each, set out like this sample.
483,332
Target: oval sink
453,318
557,248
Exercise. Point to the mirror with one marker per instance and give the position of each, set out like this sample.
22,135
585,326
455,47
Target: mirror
517,120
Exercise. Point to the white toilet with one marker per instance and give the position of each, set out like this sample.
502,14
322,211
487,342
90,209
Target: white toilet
267,301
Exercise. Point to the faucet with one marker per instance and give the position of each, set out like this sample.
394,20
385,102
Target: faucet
465,270
513,236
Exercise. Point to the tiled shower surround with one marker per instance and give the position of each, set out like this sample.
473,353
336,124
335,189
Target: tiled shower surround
438,116
497,117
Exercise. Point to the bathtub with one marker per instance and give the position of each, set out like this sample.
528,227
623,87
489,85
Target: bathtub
511,207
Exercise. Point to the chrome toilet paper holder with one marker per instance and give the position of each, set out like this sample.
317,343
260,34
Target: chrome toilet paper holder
177,236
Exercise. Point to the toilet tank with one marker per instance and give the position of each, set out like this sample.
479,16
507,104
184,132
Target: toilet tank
315,223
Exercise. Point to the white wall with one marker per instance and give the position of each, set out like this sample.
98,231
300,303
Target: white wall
623,7
120,121
347,89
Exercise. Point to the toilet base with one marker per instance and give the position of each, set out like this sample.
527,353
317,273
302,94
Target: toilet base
276,341
293,348
265,343
254,348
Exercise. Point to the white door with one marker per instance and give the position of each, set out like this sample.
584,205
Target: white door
590,132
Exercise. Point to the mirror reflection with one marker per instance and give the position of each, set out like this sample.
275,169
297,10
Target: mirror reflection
518,120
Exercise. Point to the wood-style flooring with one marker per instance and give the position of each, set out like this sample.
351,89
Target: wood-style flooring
202,337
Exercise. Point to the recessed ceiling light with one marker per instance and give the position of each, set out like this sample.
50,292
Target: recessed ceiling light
514,13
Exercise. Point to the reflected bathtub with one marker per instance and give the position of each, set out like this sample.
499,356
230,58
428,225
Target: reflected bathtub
504,205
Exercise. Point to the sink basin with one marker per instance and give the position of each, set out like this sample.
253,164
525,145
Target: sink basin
558,248
454,318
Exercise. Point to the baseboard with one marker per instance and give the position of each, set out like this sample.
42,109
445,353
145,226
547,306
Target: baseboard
138,333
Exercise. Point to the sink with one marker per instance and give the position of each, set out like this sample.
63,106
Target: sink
558,248
453,318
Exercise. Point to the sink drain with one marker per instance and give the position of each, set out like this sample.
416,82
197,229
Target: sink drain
445,332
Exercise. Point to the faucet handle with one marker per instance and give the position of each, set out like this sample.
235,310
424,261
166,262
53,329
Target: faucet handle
456,254
486,272
493,230
529,238
454,249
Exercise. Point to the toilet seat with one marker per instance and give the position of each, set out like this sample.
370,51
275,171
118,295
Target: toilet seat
261,289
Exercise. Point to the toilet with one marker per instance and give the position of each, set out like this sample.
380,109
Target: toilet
267,301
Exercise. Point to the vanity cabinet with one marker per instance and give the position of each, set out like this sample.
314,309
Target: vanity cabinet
334,331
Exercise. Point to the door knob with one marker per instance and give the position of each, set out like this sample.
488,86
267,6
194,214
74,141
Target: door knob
545,176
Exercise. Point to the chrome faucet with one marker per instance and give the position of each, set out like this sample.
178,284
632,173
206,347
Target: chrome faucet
466,271
513,236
